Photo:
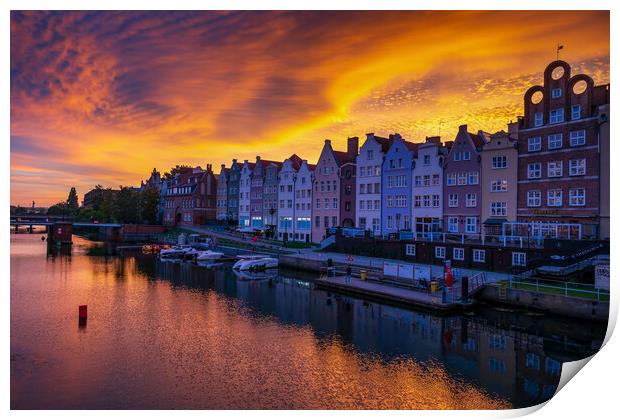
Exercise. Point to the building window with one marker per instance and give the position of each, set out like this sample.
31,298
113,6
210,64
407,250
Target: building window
462,178
532,361
435,200
534,144
471,200
534,170
499,162
534,198
440,252
450,180
554,141
499,208
427,160
538,119
457,156
500,185
410,249
479,255
518,259
453,224
466,155
453,200
552,367
370,154
471,224
473,178
390,222
458,254
554,198
556,93
554,169
577,197
577,138
577,167
418,201
435,179
556,116
575,112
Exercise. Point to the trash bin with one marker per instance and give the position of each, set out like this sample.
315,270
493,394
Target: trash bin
363,274
433,286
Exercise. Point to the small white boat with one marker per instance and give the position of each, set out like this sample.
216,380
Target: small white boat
209,255
255,263
174,252
253,275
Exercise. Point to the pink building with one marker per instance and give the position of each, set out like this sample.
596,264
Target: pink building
327,194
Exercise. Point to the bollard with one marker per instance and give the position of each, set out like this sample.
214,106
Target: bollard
83,311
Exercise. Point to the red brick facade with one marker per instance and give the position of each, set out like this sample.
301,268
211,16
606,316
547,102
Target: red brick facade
191,198
558,149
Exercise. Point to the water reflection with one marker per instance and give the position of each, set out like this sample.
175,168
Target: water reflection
176,335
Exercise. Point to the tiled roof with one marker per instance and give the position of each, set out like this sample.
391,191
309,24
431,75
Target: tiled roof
478,140
343,157
295,161
385,143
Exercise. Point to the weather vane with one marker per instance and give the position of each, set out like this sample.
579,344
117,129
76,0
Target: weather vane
557,51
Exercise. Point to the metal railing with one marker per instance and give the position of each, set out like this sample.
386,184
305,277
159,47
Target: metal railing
560,288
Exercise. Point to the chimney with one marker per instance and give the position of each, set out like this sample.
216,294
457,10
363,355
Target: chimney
449,144
234,161
513,128
223,167
370,136
245,161
328,141
463,128
433,139
352,146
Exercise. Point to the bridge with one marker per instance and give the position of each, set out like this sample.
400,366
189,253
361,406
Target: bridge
60,229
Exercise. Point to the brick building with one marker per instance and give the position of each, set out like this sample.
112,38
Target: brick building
191,197
559,158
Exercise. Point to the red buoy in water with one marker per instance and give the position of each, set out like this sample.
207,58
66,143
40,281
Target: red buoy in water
83,311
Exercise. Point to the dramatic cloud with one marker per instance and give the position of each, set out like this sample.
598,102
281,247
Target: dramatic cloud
103,97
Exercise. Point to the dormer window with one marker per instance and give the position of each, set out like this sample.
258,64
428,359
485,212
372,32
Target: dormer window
556,93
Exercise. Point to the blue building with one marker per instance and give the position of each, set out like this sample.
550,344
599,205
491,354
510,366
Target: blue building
396,185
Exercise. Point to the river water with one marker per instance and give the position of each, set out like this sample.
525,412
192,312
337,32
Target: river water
177,335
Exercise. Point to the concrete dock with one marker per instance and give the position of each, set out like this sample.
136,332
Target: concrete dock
385,292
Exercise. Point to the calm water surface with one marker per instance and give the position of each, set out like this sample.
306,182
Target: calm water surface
166,335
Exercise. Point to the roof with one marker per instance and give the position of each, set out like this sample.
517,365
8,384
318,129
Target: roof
385,143
295,161
343,157
411,146
478,140
311,166
271,162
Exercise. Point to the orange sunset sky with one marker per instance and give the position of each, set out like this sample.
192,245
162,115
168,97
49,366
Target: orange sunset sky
103,97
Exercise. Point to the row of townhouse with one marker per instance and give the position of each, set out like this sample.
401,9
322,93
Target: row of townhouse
548,175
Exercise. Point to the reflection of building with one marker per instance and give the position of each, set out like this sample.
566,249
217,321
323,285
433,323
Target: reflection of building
559,171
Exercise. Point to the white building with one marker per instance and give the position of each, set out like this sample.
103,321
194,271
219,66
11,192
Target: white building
427,194
286,197
303,202
245,184
368,183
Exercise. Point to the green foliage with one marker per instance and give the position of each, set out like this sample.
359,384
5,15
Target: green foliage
169,175
149,201
72,199
59,209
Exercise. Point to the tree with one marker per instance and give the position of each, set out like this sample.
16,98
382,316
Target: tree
178,168
127,206
59,209
72,200
149,204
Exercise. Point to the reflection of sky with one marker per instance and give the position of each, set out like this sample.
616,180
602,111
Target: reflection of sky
102,97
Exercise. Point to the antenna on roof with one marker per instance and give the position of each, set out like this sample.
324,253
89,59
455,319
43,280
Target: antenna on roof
557,51
440,122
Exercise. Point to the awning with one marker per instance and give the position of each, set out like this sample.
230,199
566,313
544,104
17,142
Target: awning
495,221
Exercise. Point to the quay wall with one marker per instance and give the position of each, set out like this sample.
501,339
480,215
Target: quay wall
556,304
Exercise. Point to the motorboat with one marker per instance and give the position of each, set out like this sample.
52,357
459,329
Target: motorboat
174,252
268,274
255,263
209,255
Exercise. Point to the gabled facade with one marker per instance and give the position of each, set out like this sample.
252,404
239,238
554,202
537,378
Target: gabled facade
498,182
191,197
222,194
559,161
396,178
427,192
326,192
303,202
462,193
348,193
232,182
270,194
368,183
245,185
286,198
